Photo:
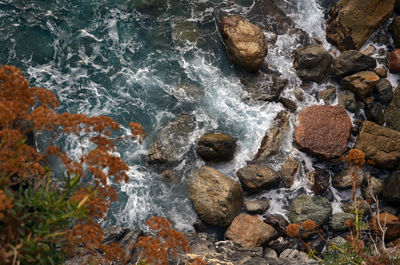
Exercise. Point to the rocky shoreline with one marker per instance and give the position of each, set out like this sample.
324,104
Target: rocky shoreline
325,132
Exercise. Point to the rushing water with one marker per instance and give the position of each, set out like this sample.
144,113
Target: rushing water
104,57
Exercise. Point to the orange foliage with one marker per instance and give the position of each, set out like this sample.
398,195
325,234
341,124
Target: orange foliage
355,157
293,230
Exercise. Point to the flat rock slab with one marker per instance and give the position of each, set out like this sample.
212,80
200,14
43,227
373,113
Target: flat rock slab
323,130
380,144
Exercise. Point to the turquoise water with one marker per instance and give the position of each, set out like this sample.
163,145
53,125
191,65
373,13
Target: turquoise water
112,58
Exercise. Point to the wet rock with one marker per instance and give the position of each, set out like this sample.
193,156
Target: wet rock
288,171
353,21
278,222
391,188
391,222
381,72
319,179
256,207
394,29
245,42
369,50
371,187
288,104
337,221
323,130
394,61
263,87
380,144
347,99
392,111
312,63
281,243
216,147
257,233
299,94
360,83
167,148
216,197
187,32
256,178
273,138
315,208
374,112
383,91
352,61
326,94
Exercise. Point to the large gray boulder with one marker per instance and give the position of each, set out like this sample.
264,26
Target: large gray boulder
216,197
312,63
380,144
255,178
315,208
352,61
245,42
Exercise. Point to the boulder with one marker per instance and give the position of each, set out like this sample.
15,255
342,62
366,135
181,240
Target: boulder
353,21
361,83
216,147
256,178
391,188
171,141
278,222
371,187
273,138
312,63
380,144
383,91
394,61
256,234
374,112
315,208
394,29
323,130
337,221
391,222
347,100
216,197
352,61
381,72
319,179
245,42
392,111
257,206
288,171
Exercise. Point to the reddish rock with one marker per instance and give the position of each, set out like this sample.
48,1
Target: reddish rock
323,130
255,234
394,61
391,222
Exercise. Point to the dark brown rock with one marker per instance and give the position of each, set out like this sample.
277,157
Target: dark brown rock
257,233
288,104
216,147
391,188
381,72
380,144
391,222
245,42
392,111
323,130
394,61
278,222
353,21
395,31
352,61
255,178
319,179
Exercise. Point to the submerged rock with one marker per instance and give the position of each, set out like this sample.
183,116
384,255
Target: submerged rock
170,140
216,197
312,63
256,178
380,144
361,83
353,21
315,208
256,234
273,138
392,111
216,147
263,87
187,32
323,130
352,61
245,42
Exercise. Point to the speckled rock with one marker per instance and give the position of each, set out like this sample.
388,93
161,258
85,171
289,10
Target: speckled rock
315,208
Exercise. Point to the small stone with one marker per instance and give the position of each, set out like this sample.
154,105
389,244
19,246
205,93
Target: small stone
374,112
256,207
371,187
281,243
369,50
381,72
337,222
391,189
326,94
270,253
289,104
347,99
319,179
295,256
256,178
362,205
394,61
288,171
278,222
299,94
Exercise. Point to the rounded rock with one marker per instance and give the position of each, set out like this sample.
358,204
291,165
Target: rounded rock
315,208
216,147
